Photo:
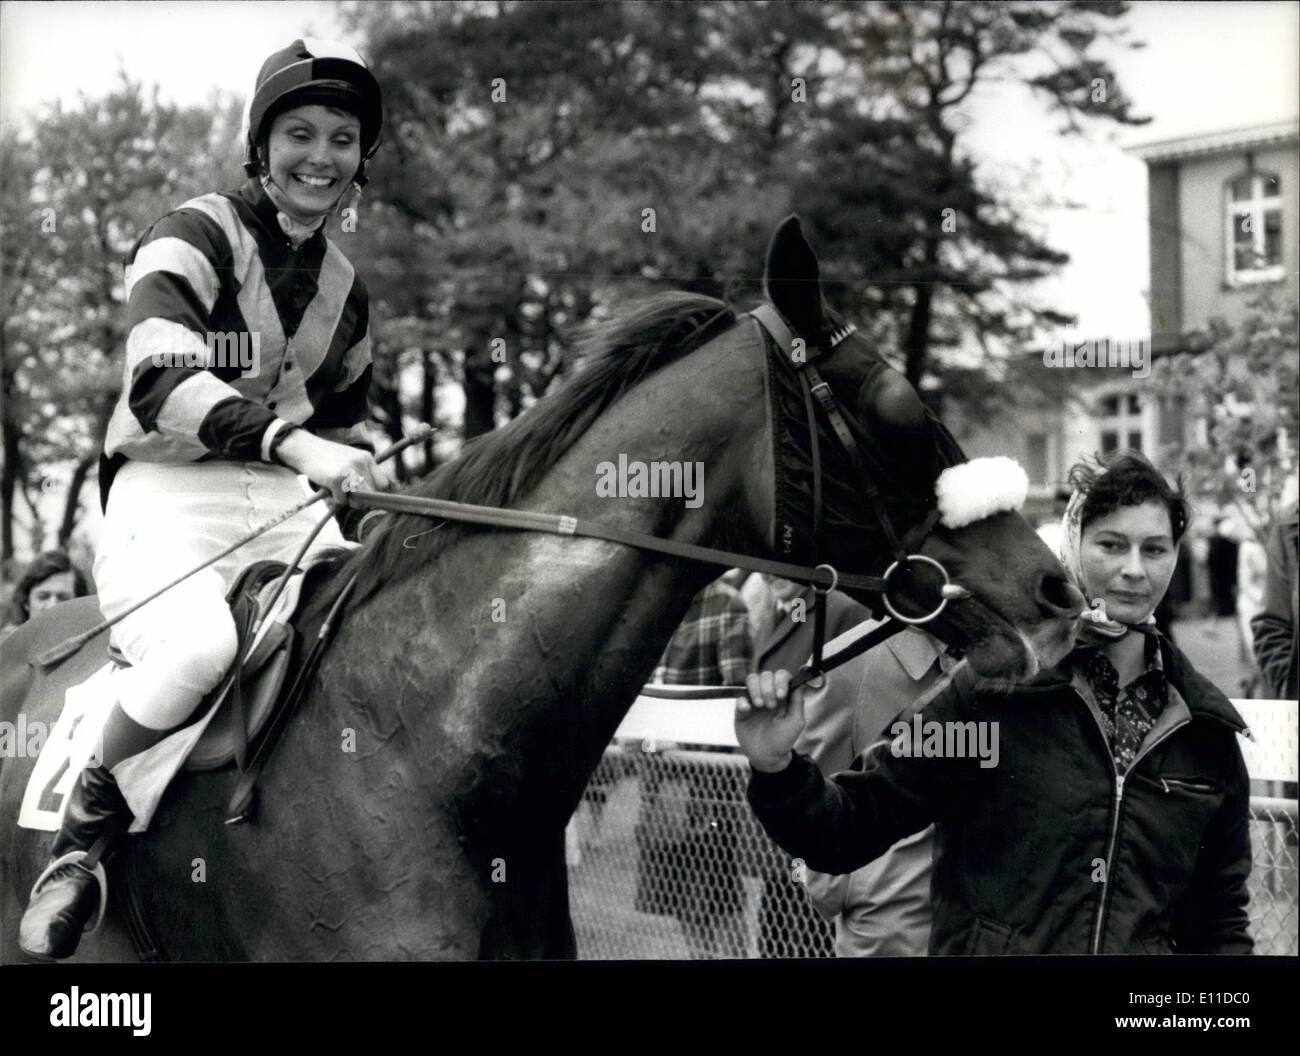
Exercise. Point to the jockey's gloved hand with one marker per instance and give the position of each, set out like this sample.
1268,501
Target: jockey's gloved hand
338,467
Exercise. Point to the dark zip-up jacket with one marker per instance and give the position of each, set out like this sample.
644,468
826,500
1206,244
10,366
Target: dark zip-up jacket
1048,851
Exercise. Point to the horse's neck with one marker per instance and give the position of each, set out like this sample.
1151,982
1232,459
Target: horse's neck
529,647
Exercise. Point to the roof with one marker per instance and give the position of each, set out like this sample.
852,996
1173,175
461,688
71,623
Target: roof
1225,141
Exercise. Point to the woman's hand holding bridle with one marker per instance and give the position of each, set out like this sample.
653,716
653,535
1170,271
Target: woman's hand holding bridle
770,721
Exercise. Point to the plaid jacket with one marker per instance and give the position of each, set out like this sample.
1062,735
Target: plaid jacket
233,333
712,646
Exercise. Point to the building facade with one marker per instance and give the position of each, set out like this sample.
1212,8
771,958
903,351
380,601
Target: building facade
1223,221
1223,218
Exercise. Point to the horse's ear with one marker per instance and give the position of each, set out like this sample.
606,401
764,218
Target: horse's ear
792,279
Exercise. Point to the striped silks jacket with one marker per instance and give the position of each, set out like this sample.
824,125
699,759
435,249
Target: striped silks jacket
234,332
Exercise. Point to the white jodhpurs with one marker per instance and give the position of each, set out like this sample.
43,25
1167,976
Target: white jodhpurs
163,520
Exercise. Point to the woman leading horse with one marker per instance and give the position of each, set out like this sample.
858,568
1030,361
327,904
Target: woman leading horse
1116,816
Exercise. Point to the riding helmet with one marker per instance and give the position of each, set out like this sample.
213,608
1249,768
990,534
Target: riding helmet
321,72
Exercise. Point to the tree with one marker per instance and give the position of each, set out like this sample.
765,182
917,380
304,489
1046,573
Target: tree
76,193
530,139
555,159
1239,387
934,227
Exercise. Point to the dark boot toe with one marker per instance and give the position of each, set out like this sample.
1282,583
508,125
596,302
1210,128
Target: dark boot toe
52,926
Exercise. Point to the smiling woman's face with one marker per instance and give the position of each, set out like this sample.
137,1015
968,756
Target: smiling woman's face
1128,558
314,153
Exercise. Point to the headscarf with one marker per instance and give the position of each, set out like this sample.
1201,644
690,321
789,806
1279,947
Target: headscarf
1097,627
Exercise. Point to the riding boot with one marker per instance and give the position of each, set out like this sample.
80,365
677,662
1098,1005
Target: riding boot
65,900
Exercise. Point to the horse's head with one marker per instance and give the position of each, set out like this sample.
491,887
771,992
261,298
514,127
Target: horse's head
1009,605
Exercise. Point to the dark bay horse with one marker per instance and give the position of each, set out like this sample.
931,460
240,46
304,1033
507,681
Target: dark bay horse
415,807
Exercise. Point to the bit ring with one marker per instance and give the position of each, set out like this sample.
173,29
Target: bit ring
946,594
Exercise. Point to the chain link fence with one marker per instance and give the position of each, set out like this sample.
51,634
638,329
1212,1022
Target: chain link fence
1274,918
666,860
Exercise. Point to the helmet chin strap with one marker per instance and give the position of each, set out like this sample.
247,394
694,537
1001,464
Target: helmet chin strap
297,230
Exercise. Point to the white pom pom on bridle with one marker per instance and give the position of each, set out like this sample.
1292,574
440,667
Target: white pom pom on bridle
980,488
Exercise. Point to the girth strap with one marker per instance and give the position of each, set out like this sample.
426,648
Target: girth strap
241,802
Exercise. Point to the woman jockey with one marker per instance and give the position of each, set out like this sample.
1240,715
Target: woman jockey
199,450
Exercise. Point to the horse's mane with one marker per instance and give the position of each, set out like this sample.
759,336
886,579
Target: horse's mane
501,467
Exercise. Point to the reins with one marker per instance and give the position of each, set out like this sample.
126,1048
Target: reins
560,524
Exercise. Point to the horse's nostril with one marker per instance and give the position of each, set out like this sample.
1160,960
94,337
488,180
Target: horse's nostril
1057,596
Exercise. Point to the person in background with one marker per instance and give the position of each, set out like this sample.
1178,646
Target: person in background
1221,562
882,909
1274,627
50,579
788,925
1252,569
712,645
757,595
1180,592
688,832
1049,530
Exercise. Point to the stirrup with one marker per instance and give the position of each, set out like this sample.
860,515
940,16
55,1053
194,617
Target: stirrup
97,871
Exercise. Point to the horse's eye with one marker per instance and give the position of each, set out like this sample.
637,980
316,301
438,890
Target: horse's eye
889,402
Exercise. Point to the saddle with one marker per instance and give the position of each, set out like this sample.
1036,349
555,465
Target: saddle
247,694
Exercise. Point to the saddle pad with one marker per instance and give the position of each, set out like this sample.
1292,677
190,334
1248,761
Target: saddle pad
144,777
66,750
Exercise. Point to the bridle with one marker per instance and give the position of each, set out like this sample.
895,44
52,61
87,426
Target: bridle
793,353
823,577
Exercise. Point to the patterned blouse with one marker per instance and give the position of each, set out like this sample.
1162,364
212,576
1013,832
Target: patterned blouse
1127,715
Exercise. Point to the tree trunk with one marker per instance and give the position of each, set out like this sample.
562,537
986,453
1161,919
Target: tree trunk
428,401
385,397
72,504
917,344
13,460
12,454
480,390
